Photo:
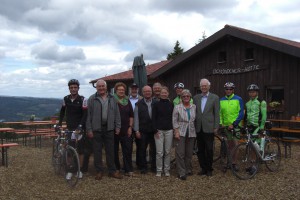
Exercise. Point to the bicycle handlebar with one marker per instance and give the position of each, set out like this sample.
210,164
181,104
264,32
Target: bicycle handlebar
77,133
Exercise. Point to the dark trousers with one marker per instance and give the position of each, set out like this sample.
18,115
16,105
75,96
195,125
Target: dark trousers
87,151
105,138
137,151
205,150
126,144
147,139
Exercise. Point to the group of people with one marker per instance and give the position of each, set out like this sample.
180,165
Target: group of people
156,123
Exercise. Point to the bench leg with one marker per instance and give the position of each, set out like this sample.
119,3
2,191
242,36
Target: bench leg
287,149
6,157
3,156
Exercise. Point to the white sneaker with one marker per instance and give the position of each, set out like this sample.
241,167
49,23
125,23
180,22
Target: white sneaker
167,173
80,175
69,176
158,174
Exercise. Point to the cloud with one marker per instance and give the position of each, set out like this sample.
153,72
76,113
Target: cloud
43,44
49,50
191,5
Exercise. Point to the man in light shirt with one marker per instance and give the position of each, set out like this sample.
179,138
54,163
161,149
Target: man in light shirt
207,123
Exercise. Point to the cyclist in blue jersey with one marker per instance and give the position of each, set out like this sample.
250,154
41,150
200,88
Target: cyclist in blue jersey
231,114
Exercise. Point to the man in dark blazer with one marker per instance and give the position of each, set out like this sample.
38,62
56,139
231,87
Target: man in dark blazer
206,123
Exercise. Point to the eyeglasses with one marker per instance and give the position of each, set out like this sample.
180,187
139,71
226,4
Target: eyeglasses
228,89
185,96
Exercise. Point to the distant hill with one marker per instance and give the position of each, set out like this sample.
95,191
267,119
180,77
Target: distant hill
21,108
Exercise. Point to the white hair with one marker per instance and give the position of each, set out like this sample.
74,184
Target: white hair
204,80
101,81
157,84
186,91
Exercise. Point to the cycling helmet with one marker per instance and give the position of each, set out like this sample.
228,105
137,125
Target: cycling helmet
253,87
229,85
73,82
178,85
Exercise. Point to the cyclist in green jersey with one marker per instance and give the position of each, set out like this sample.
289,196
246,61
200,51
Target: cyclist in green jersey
255,117
256,109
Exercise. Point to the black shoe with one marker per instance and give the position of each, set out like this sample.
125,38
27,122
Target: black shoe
183,178
202,173
190,174
235,168
153,170
143,171
251,170
84,170
209,173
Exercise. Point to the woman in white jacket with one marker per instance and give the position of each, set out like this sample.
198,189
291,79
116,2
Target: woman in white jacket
184,131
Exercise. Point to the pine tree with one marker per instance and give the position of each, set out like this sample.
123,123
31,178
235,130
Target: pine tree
201,39
176,51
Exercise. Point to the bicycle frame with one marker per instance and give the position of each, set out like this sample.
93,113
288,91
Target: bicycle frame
251,143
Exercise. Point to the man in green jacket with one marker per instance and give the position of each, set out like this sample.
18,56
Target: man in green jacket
231,114
256,109
255,117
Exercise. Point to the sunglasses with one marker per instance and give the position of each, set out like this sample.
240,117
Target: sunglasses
228,89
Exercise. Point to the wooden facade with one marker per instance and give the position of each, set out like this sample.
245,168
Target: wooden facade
234,55
242,57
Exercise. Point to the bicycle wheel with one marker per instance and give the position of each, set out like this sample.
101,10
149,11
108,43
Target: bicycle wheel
57,160
217,148
245,160
72,165
272,154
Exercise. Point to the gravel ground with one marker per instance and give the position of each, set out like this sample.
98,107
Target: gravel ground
30,176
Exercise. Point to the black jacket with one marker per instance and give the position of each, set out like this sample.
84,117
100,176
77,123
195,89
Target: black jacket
145,122
162,115
75,111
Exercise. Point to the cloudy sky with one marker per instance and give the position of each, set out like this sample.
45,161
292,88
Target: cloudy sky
43,43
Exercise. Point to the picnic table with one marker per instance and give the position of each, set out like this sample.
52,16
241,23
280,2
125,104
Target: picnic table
4,147
288,122
38,132
287,134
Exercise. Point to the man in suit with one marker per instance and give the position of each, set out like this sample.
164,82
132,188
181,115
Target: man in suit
206,123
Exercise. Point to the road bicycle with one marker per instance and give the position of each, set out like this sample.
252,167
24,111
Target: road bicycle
220,146
65,158
249,154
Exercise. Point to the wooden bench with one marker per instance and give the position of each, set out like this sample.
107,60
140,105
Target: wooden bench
39,133
5,148
24,133
287,140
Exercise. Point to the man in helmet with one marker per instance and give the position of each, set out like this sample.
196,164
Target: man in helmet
231,114
74,107
255,116
178,89
256,109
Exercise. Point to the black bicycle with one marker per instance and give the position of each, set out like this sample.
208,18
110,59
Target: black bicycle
249,154
65,160
221,151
